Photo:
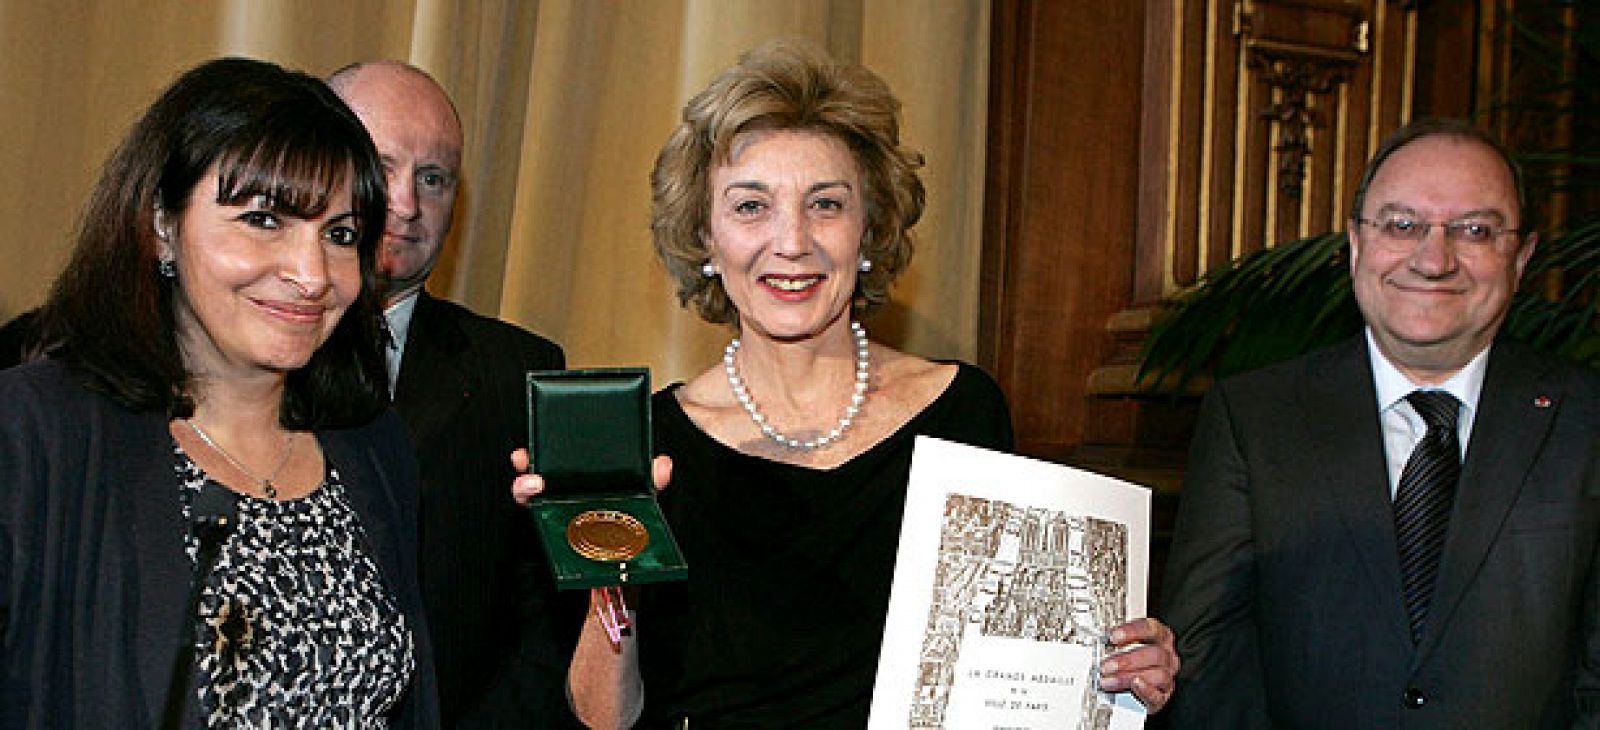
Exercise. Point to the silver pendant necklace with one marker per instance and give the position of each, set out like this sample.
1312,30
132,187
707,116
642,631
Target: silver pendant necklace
268,485
857,398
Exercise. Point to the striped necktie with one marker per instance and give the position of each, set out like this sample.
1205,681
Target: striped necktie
1422,501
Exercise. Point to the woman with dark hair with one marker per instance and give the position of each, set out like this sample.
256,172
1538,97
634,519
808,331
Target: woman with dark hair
212,410
783,206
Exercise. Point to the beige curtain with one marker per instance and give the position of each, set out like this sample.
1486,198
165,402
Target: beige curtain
565,103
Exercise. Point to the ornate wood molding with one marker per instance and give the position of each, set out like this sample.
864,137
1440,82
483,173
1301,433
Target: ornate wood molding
1295,78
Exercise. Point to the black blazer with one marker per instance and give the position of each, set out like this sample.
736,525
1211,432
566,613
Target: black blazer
1284,581
93,574
502,643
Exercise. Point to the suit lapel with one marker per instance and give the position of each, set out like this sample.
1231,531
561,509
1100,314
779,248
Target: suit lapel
433,383
1507,435
164,571
366,484
1347,469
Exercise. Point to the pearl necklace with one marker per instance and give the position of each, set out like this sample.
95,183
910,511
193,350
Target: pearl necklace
267,486
857,398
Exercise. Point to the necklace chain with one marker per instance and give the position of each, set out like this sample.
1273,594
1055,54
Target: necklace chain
268,487
857,397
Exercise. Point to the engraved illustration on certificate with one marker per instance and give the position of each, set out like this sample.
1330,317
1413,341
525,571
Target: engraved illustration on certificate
1011,572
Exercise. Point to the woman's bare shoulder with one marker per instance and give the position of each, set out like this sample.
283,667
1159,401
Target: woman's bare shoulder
708,402
911,381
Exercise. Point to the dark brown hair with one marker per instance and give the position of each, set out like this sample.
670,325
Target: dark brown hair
267,131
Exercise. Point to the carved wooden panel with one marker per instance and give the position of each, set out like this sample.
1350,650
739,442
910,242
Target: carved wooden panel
1135,144
1258,116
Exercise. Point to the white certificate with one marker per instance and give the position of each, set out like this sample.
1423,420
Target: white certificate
1011,573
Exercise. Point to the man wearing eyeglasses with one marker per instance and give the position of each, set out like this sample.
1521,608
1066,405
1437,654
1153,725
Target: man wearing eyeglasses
1400,530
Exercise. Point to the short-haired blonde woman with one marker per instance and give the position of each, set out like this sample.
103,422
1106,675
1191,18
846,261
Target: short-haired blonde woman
782,207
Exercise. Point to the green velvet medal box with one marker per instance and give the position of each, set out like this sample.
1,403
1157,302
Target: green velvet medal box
589,437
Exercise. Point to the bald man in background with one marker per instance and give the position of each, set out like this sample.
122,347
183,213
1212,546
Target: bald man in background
502,636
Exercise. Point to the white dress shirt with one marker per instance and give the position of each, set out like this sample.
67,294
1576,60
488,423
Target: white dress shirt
399,317
1403,427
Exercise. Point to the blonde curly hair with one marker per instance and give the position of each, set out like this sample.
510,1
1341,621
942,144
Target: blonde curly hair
785,86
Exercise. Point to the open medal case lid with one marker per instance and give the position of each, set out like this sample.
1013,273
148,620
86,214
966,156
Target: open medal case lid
589,438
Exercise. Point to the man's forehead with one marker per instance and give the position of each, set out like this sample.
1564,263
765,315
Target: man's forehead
1460,166
1436,148
442,156
1406,210
401,96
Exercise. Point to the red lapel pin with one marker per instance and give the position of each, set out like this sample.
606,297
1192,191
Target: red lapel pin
1542,401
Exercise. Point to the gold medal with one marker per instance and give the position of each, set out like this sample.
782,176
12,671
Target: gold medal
609,535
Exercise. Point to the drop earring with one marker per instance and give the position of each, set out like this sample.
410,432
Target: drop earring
159,220
166,268
864,265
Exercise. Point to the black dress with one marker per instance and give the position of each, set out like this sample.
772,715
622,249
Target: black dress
789,570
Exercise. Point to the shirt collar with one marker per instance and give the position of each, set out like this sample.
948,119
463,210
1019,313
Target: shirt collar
399,317
1392,385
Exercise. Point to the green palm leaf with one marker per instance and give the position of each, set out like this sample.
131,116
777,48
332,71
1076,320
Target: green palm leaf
1278,303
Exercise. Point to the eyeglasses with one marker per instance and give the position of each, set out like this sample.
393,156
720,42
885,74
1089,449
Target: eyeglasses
1404,232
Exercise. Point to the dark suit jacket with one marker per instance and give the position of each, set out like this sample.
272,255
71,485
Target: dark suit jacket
1284,581
93,575
502,644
